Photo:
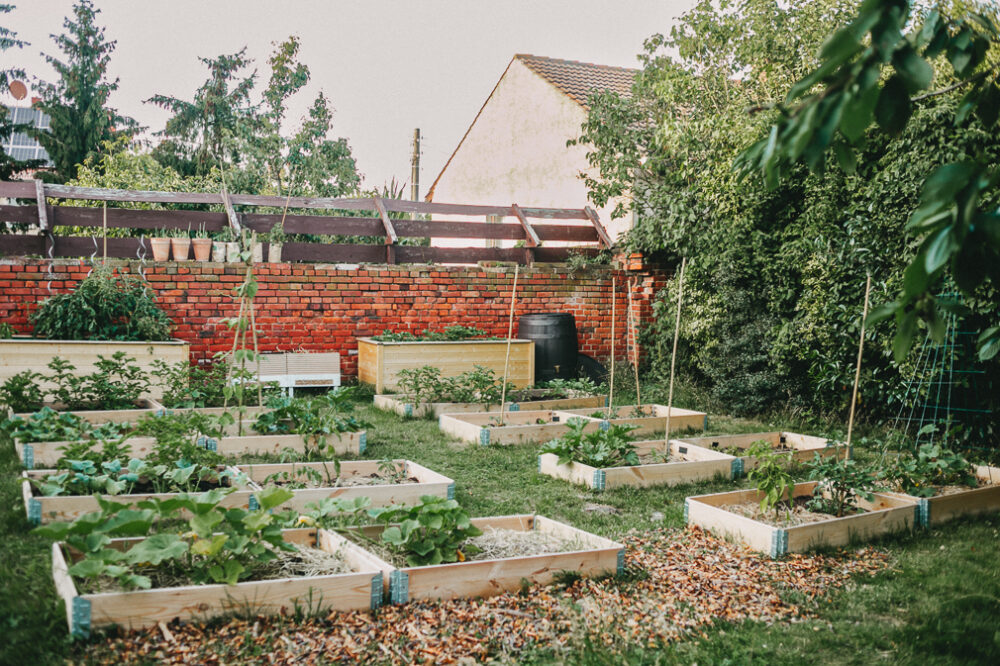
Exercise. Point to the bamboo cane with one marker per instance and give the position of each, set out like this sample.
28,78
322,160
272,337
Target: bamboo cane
104,224
857,369
635,344
611,379
510,333
673,355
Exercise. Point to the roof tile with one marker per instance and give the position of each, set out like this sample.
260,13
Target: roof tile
578,80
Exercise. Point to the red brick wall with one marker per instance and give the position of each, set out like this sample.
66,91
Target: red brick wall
320,307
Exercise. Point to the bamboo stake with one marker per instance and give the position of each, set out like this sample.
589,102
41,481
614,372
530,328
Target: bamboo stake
857,370
105,226
673,356
611,380
635,344
510,333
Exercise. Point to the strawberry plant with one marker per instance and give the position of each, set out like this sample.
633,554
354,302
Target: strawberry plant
432,532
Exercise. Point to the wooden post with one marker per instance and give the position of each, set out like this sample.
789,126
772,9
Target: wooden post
673,355
611,379
390,231
531,239
635,344
857,369
510,333
43,212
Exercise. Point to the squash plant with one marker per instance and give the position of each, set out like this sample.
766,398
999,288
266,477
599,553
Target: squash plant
932,465
48,425
84,477
432,532
216,544
603,448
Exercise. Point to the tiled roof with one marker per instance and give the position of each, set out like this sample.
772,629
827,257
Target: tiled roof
578,80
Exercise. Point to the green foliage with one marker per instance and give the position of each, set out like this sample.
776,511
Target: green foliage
425,384
867,73
429,533
8,165
771,475
46,425
85,477
932,465
21,392
315,417
603,448
81,121
450,334
185,385
221,545
841,484
105,306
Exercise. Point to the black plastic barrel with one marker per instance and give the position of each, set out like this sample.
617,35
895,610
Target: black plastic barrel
554,334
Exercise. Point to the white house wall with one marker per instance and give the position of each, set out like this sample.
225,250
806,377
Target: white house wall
516,152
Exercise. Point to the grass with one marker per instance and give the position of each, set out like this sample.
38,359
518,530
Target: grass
940,603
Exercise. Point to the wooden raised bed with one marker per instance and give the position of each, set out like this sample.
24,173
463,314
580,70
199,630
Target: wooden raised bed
974,501
405,406
698,465
47,454
358,590
98,416
485,578
22,353
517,428
379,363
249,412
803,447
885,515
653,418
42,509
345,443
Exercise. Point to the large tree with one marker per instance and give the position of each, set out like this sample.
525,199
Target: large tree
77,102
8,165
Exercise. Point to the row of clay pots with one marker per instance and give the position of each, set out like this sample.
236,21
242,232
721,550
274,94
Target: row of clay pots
206,248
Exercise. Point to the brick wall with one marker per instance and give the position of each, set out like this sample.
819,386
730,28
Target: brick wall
323,307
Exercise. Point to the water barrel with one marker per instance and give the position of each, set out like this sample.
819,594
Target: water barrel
554,334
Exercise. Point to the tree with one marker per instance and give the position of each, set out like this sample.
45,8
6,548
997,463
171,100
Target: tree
81,122
8,165
874,71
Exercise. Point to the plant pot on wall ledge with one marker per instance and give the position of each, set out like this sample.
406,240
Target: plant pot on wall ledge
274,252
161,248
232,252
202,248
181,248
218,251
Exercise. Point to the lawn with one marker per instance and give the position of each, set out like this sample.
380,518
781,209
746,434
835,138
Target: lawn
931,598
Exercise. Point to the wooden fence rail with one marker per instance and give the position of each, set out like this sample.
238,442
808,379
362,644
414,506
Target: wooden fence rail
564,225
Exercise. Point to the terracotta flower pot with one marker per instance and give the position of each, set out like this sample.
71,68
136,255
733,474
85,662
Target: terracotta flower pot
181,248
274,252
218,251
161,248
202,248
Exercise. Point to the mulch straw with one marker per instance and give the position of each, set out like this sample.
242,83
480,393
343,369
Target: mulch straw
691,579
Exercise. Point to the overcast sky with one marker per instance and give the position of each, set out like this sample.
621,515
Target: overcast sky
388,67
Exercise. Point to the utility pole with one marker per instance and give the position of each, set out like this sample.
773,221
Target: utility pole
415,170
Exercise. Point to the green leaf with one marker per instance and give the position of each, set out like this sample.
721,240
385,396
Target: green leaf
905,332
858,112
939,249
156,549
988,107
204,523
87,568
273,496
989,343
915,71
881,313
209,547
915,277
893,109
845,157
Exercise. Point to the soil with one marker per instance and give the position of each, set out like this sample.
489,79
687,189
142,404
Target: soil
373,479
655,459
953,490
789,515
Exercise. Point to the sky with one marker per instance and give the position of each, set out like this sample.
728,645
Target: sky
388,67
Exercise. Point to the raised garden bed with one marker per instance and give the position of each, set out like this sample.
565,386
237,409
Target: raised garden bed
517,428
98,416
591,556
886,514
648,419
21,353
687,464
801,448
249,412
342,444
361,478
956,502
405,405
379,362
46,454
359,589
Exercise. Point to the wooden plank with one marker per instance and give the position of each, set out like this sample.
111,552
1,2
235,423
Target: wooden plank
405,406
135,196
18,245
348,443
317,224
451,357
598,227
98,416
64,585
655,418
409,254
390,232
318,203
43,214
519,428
47,454
234,222
333,252
531,238
127,218
20,214
24,189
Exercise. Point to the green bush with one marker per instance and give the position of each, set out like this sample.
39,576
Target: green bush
105,306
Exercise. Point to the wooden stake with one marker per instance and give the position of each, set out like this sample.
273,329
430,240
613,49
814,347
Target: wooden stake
673,356
635,344
105,225
611,379
857,370
510,333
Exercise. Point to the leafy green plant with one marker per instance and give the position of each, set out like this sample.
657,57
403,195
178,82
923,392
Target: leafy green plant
424,384
48,425
450,334
114,447
432,532
117,384
392,471
932,465
220,545
6,331
84,477
841,484
315,417
185,385
104,306
774,482
602,448
21,392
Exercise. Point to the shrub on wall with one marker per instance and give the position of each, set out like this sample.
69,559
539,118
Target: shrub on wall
105,306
